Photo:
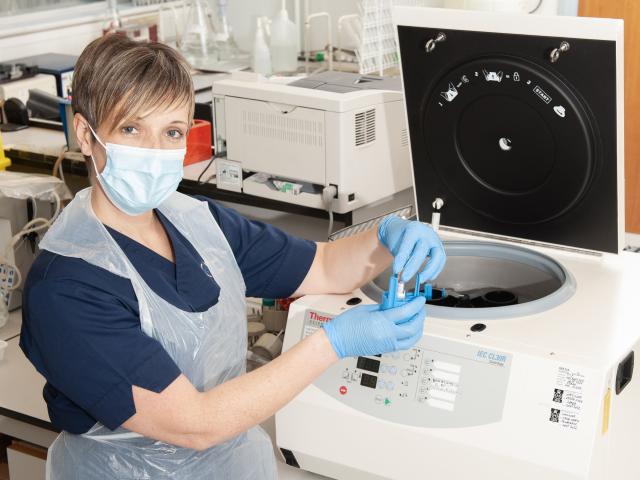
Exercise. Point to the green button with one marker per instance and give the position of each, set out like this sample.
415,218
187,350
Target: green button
387,401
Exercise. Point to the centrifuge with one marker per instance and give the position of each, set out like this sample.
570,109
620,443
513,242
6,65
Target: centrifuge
525,369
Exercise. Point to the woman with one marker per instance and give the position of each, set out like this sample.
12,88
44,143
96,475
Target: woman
135,310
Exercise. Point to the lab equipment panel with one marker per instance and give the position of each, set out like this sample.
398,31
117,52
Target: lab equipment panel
439,383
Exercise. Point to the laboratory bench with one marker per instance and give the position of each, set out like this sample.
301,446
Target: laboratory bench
24,417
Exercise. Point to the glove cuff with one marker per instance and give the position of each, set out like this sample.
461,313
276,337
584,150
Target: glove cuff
383,227
333,337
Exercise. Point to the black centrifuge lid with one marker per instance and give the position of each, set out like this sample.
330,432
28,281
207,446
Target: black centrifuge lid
515,144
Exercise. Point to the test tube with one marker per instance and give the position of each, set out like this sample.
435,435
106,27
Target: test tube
401,294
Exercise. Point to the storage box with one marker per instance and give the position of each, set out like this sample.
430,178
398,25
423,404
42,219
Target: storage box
198,142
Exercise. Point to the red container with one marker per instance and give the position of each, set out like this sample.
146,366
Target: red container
198,142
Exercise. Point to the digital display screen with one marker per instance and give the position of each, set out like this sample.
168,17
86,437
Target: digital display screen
368,364
368,380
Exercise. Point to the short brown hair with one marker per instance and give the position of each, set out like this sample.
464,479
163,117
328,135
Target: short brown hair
117,79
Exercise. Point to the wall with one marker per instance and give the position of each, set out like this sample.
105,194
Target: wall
629,10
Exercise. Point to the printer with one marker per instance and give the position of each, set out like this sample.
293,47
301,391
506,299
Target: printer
330,129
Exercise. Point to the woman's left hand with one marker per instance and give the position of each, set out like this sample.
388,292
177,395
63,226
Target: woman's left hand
411,243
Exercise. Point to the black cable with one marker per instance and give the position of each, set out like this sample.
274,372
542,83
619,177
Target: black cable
205,169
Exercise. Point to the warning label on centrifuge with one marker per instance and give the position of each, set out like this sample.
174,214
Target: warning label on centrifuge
569,378
566,398
565,418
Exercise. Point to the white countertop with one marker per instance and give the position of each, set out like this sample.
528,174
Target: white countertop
12,327
35,140
25,393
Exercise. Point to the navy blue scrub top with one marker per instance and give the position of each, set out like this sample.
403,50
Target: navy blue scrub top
81,323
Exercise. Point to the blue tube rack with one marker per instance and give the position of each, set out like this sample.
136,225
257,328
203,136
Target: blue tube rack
390,297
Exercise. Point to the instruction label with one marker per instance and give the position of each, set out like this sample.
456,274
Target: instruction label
566,398
546,98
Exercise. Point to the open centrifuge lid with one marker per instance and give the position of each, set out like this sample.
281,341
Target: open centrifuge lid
519,140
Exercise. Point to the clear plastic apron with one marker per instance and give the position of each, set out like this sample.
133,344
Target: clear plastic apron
208,347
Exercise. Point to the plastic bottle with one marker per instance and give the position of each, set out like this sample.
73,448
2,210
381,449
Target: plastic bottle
261,53
112,18
284,39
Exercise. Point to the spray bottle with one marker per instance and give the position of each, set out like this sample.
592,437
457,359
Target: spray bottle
261,53
284,39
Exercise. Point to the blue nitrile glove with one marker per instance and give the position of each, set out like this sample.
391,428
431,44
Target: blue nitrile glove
367,330
411,243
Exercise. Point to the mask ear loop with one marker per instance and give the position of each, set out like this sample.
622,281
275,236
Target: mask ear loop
99,176
96,136
93,160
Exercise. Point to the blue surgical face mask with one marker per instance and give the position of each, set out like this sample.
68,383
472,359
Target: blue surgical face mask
136,179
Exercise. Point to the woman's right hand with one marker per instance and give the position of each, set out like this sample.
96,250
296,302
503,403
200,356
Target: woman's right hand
368,330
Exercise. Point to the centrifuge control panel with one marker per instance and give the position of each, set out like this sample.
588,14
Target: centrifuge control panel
438,383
